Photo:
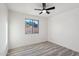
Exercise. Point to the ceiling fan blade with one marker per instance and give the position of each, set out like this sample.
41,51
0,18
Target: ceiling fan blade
38,9
40,12
50,8
47,12
44,5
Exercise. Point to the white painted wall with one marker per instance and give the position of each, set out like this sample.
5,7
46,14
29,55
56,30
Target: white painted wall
17,36
63,29
3,29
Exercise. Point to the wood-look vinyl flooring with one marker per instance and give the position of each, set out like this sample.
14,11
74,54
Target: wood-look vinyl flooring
42,49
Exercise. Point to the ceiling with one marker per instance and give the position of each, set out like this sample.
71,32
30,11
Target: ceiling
28,8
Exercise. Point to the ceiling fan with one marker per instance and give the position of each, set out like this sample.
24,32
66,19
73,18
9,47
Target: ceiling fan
44,9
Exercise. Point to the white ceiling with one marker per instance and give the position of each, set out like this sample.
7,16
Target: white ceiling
28,8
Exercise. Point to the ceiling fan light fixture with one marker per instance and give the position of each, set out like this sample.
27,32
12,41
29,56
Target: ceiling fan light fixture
44,11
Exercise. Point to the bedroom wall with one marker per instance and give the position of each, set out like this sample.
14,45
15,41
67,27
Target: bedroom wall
3,29
63,29
17,36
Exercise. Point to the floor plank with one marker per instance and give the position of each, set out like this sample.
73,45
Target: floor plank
42,49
